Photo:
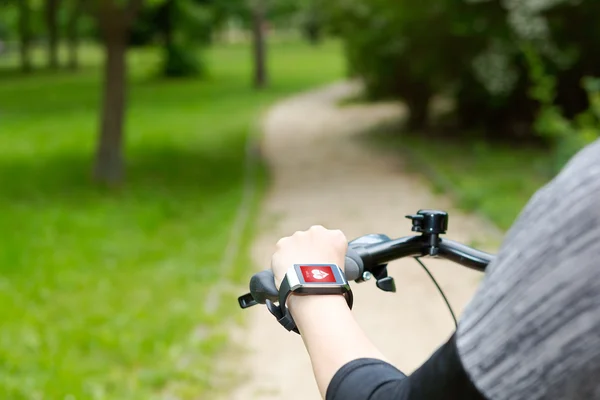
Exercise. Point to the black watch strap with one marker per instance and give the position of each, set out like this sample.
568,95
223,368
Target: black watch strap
282,313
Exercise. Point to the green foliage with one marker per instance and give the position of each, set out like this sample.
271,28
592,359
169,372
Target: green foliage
411,50
567,136
185,26
102,293
8,22
9,16
181,61
312,24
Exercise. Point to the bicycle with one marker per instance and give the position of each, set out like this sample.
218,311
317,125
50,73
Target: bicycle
368,257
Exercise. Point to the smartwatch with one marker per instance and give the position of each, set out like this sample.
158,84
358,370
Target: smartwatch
308,279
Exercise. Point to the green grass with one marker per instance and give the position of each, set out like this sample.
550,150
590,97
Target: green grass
102,292
496,180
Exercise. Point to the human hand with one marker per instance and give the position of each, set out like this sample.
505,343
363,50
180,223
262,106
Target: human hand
317,245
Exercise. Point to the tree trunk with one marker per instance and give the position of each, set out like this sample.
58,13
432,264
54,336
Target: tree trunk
313,28
417,99
109,156
25,35
52,26
418,114
73,35
167,23
259,48
115,22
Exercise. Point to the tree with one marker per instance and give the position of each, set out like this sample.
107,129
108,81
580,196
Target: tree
312,21
183,26
73,33
472,51
52,27
114,20
259,44
25,34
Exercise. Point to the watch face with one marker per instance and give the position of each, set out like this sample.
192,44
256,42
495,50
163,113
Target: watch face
317,274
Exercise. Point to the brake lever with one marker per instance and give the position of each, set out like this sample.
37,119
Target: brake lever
387,284
383,280
246,301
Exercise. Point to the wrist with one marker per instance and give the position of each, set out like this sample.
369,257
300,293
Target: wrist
311,293
310,306
316,313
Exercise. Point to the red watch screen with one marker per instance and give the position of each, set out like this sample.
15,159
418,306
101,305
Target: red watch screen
317,274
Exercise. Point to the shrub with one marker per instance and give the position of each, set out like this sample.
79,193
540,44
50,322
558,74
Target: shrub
473,51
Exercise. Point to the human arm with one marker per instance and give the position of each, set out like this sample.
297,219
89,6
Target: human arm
530,332
345,363
329,331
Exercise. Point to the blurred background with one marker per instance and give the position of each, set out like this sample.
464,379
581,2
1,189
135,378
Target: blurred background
124,131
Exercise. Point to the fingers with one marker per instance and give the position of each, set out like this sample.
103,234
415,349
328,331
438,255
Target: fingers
317,244
319,232
281,242
334,237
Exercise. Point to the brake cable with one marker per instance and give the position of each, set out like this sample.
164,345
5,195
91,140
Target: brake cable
439,290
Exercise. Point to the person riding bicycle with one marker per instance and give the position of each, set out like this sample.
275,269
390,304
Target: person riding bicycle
532,330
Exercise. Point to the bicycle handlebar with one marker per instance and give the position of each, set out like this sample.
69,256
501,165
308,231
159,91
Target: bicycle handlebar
374,256
465,255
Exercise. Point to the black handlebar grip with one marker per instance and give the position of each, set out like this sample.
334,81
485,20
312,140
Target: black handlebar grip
353,267
262,284
262,287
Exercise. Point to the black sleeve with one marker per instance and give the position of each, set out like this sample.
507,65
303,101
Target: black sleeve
441,377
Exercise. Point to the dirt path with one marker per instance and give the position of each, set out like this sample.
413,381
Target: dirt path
321,174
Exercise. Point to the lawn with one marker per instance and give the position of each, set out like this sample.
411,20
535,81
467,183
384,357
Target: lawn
494,179
102,291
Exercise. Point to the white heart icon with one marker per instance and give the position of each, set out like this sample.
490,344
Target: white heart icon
318,274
